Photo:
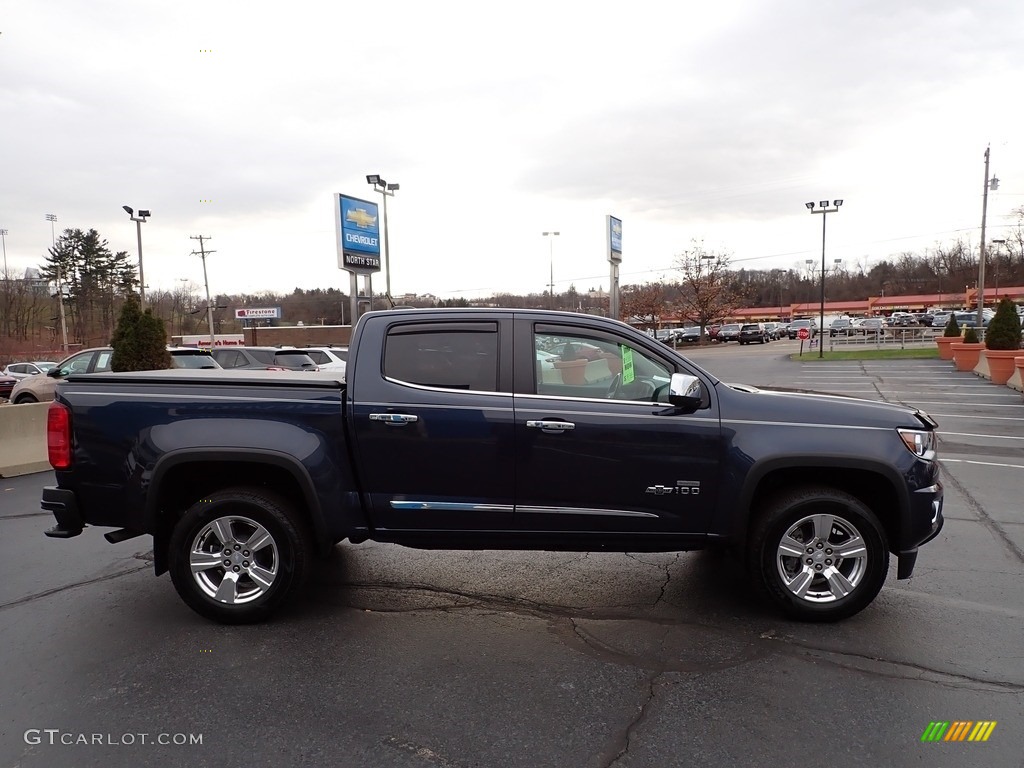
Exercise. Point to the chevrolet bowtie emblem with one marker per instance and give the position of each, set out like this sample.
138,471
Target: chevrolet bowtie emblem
361,218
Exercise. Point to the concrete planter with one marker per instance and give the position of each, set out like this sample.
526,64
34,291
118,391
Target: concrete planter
944,344
965,355
573,371
1001,364
1017,378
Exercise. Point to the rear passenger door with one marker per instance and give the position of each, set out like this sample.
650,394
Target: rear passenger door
433,424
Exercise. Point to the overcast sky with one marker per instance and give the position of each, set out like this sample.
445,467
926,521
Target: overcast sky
710,122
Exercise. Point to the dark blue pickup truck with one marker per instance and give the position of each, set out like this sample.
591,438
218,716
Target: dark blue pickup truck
496,429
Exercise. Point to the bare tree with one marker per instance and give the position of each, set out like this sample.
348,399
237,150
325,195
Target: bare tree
707,290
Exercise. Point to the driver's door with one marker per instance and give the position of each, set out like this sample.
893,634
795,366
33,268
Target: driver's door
599,448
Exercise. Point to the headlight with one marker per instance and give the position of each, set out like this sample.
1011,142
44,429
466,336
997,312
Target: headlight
920,442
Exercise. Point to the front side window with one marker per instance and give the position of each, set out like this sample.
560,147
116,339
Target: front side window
581,366
77,364
464,359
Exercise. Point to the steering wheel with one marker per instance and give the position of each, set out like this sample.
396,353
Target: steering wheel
615,387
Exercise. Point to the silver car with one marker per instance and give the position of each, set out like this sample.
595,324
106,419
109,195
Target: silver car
39,389
24,370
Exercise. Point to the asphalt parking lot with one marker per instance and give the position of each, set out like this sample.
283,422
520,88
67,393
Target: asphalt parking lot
408,658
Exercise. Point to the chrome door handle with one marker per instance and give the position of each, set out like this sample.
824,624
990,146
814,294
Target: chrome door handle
551,426
394,419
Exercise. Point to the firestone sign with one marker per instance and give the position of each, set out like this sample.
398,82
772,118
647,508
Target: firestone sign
258,313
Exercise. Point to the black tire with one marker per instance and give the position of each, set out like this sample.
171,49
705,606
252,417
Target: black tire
268,576
798,517
24,399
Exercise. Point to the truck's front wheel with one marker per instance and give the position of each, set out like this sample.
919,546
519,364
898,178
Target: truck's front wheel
237,555
819,554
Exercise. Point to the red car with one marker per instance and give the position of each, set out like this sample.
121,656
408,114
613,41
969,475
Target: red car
6,385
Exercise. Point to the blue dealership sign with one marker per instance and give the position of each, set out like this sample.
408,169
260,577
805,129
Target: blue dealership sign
614,230
358,232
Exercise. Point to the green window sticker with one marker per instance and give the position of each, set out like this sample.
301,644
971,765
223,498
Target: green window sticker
627,364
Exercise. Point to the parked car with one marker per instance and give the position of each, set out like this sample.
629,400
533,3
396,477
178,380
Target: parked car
7,386
751,333
869,325
774,330
39,389
264,359
794,328
689,335
729,332
421,449
970,319
842,326
327,358
23,370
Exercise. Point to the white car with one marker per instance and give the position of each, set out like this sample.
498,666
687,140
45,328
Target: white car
327,358
24,370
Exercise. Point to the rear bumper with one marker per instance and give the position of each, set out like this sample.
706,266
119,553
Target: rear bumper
64,506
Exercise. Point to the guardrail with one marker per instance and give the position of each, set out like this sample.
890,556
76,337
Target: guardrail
887,338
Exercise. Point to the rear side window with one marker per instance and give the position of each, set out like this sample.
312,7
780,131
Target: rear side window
263,355
294,359
463,358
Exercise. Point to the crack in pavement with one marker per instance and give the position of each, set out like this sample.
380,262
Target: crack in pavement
619,747
75,585
983,515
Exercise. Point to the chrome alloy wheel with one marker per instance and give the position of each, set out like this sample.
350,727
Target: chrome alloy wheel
822,558
234,560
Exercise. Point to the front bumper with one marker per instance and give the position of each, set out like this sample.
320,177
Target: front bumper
926,524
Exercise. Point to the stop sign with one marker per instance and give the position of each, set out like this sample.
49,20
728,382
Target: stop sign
803,333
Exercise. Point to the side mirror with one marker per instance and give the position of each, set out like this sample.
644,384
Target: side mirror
54,373
685,392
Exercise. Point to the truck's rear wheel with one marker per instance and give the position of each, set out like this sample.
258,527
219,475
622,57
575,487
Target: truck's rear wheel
818,554
237,555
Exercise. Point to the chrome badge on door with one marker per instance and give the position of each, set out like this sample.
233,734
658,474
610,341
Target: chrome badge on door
681,488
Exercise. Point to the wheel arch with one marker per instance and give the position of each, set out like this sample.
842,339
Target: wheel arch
180,477
875,484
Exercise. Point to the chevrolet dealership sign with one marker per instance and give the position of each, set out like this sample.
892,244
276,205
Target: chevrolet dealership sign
358,234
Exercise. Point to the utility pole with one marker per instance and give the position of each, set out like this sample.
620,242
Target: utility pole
992,184
52,217
209,307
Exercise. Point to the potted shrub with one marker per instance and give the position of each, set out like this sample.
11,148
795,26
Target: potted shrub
950,335
572,365
967,353
1002,342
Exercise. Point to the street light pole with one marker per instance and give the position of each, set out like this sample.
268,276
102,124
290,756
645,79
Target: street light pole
3,237
997,242
386,190
52,217
139,221
551,266
992,184
824,210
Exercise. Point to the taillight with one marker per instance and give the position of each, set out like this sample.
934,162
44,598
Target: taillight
58,435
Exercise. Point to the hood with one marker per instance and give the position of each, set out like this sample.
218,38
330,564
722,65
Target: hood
808,407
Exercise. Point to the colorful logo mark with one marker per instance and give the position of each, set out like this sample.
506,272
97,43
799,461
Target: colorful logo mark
361,218
959,730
